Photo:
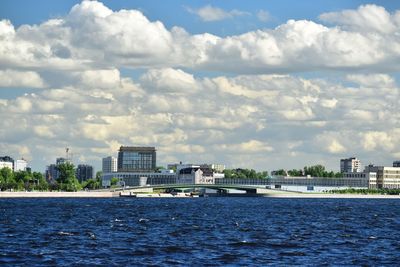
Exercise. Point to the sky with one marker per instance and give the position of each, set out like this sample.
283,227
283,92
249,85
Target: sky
249,84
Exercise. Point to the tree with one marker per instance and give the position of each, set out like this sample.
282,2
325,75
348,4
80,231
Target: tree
8,178
40,181
23,180
67,179
91,184
315,171
319,171
2,182
244,173
262,175
280,172
159,168
295,172
228,173
114,181
99,174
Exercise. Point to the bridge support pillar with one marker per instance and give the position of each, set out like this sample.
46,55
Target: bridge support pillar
251,191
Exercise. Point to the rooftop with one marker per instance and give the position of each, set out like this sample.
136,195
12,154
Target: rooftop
137,148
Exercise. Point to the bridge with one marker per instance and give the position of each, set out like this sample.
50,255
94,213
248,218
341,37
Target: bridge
221,188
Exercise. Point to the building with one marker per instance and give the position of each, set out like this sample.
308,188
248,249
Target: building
139,178
62,161
84,172
20,165
6,164
350,165
136,159
52,172
396,163
368,176
109,164
386,177
218,168
301,184
196,174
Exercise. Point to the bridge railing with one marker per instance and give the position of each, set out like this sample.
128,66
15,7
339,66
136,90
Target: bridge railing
246,181
299,181
315,181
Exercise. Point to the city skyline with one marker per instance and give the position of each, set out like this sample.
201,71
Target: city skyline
248,85
356,165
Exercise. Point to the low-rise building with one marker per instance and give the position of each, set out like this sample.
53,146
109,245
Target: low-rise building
386,177
139,178
368,176
396,163
197,174
301,184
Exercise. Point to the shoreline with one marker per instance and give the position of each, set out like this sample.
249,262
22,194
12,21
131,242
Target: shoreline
80,194
109,194
333,196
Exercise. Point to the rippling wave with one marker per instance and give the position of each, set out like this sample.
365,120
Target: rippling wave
199,232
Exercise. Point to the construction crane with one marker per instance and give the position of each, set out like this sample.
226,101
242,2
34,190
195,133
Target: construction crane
68,155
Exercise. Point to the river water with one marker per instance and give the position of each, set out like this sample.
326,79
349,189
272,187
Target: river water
199,232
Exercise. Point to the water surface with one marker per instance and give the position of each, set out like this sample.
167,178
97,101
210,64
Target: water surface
200,231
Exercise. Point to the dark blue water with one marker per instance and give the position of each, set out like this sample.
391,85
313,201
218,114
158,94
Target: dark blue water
199,232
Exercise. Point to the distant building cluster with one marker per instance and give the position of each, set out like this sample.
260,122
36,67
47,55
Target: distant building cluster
377,176
138,166
14,165
83,172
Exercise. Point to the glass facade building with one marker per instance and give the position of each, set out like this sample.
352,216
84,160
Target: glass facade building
136,159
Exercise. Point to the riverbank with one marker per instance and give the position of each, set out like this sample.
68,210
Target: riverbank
98,194
108,194
333,196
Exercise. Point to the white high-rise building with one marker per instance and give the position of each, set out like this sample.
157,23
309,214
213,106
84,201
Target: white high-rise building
350,165
109,164
20,165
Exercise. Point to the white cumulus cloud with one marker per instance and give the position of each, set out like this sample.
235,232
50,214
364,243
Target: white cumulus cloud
13,78
209,13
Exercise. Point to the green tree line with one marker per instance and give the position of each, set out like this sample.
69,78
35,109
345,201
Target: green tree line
368,191
245,173
313,171
22,180
67,181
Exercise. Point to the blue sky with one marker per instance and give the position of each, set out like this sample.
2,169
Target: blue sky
252,84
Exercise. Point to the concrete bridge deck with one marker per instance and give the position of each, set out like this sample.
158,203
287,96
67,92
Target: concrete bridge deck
250,189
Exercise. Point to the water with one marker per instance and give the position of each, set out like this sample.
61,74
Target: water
199,232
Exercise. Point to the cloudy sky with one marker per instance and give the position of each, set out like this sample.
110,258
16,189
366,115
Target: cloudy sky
256,84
